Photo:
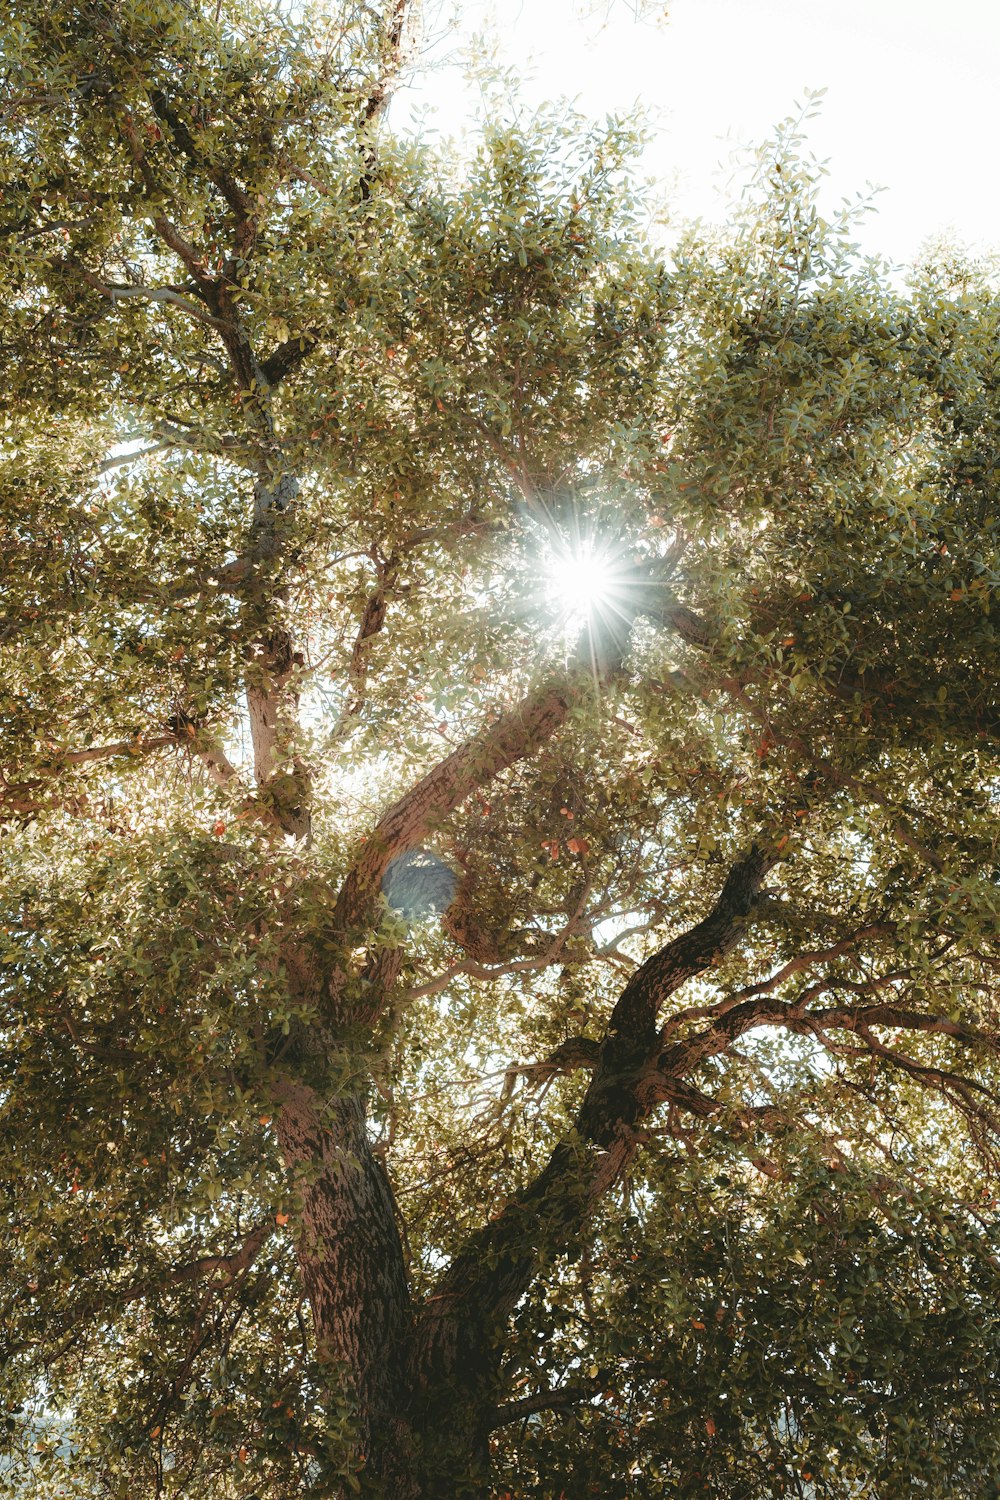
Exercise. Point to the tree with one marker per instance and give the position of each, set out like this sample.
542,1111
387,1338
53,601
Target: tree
453,1039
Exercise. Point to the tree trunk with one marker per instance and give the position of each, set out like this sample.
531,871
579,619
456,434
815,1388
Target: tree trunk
420,1438
352,1267
423,1383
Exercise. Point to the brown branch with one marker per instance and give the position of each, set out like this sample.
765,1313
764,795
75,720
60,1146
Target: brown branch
220,767
900,1019
957,1087
24,800
287,356
372,620
575,1053
513,736
666,1072
270,686
492,1271
138,746
805,960
631,1040
236,197
231,1266
165,228
178,433
132,458
559,1399
814,956
519,733
487,972
373,615
630,1077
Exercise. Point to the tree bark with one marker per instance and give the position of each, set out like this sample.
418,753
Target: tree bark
353,1272
459,1334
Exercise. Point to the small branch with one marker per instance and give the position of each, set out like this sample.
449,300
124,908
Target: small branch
231,1266
577,1052
168,231
197,440
372,620
816,955
23,800
138,746
123,291
132,458
473,970
560,1399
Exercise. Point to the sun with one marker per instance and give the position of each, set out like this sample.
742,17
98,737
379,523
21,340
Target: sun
582,582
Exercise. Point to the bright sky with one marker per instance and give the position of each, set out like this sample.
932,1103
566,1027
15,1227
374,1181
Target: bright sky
911,103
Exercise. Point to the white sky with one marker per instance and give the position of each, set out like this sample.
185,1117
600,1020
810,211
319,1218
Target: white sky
913,97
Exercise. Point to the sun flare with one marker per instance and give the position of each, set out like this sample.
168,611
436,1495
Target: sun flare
582,582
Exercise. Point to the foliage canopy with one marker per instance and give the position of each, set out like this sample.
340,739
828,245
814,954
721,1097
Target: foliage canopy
454,1044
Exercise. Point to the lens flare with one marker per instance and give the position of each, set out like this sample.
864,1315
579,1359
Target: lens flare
582,582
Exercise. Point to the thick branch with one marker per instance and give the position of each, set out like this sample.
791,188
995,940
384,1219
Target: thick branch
515,735
485,1280
612,1100
572,1055
286,357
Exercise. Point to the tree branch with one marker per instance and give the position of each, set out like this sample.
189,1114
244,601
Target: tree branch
286,357
22,799
512,737
123,291
487,1277
597,660
394,28
236,197
132,458
560,1399
575,1053
231,1267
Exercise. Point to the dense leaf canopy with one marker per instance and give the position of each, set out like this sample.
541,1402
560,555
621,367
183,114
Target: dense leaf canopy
458,1040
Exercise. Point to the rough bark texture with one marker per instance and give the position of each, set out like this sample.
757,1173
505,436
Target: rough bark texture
352,1263
459,1330
423,1381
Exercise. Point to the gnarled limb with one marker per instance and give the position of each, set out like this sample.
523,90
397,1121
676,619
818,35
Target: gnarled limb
26,798
459,1324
